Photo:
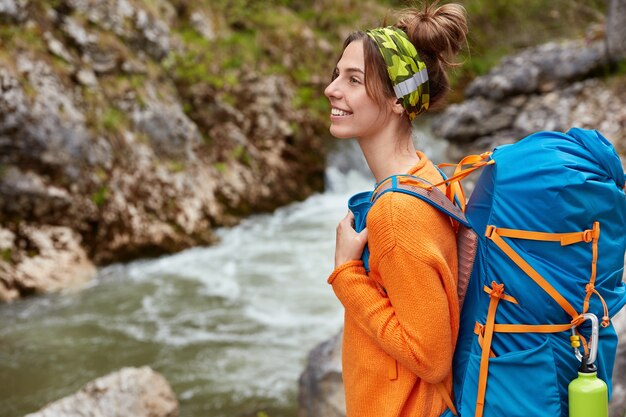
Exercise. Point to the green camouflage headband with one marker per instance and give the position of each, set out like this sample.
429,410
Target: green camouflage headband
407,73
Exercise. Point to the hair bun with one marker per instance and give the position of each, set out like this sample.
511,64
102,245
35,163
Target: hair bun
437,31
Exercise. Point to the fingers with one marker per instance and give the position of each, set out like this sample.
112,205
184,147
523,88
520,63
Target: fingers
360,241
347,221
363,236
350,244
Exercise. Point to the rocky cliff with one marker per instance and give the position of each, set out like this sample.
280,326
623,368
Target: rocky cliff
131,128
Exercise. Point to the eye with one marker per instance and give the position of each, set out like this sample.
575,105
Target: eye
354,80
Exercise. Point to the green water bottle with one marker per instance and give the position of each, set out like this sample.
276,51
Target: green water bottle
588,394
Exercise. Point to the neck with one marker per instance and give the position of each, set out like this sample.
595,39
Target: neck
389,153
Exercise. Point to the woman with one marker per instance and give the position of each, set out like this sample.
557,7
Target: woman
401,318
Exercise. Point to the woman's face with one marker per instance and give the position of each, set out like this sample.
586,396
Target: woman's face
354,114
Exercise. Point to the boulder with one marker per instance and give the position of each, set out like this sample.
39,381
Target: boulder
38,259
136,392
540,69
321,391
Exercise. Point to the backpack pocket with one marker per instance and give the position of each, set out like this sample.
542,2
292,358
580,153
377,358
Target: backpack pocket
519,384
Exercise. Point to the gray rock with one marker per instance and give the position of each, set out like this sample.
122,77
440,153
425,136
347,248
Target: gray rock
476,117
101,59
590,104
540,69
321,391
27,195
268,109
57,48
14,107
13,10
616,30
77,33
140,28
203,24
110,15
87,77
56,133
136,392
154,35
171,132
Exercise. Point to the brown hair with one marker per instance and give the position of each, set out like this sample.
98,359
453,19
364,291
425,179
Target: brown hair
437,32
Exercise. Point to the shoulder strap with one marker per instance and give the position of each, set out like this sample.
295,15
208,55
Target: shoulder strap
422,189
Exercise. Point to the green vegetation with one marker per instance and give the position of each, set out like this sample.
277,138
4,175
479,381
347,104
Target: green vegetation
309,98
300,39
240,153
282,37
14,37
101,196
101,174
621,67
6,255
113,119
176,166
220,167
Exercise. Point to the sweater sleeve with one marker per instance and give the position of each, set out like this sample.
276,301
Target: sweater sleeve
413,257
412,322
354,287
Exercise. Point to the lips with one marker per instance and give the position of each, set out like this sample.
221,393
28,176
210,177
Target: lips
339,113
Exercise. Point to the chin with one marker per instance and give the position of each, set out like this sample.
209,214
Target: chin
340,133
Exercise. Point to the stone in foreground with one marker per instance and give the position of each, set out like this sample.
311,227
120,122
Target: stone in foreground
137,392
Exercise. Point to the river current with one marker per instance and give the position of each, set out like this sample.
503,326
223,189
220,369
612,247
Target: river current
229,326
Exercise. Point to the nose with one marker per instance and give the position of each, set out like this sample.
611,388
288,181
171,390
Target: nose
332,90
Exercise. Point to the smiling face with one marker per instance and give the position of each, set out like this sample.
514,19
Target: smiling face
354,113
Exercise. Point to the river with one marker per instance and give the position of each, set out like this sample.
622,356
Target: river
229,326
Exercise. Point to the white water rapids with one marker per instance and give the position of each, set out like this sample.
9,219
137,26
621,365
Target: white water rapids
229,326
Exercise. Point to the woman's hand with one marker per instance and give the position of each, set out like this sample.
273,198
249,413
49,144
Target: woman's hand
349,245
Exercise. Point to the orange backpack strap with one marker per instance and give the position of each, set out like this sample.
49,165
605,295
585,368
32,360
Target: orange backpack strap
455,191
492,233
443,391
496,293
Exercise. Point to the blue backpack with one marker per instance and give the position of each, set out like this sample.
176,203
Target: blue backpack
541,249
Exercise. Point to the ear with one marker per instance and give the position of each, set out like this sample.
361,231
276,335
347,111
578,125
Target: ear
397,107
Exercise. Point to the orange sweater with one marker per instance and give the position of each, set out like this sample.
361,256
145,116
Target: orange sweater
399,341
